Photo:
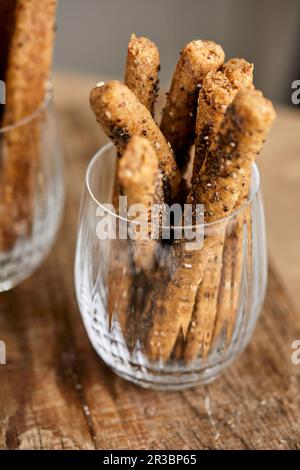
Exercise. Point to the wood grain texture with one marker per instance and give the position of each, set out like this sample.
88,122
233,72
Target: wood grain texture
55,393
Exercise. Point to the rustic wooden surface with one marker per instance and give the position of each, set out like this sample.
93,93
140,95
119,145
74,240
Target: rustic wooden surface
55,393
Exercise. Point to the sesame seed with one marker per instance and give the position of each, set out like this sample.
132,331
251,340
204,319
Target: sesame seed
187,265
108,114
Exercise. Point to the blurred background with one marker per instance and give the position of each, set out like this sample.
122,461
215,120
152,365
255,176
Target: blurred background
92,35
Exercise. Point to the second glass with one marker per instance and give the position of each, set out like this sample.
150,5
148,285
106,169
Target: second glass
31,192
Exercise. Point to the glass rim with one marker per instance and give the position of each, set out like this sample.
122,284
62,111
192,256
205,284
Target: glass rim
30,117
110,145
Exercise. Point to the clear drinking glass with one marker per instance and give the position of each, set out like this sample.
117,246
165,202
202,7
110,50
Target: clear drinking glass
31,192
129,314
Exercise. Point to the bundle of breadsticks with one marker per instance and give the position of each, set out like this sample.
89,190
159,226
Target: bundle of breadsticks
171,302
26,44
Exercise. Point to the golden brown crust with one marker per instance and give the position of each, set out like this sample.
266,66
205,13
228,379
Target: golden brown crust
230,281
225,289
141,73
174,307
229,291
138,173
218,90
120,289
30,57
120,276
245,125
239,72
203,318
122,116
27,71
179,115
240,138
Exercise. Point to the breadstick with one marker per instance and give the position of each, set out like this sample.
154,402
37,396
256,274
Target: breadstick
120,276
138,173
120,288
173,309
243,219
122,116
27,71
141,76
237,240
217,92
202,324
241,136
137,178
141,73
30,56
245,126
233,265
179,116
225,289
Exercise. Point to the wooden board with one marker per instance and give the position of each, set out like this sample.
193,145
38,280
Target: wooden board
55,392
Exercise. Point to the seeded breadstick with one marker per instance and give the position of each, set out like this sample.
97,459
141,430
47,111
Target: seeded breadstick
142,67
120,276
224,295
232,265
243,220
140,180
203,318
30,56
179,116
173,309
217,92
237,268
246,124
122,116
138,173
27,71
239,139
120,288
